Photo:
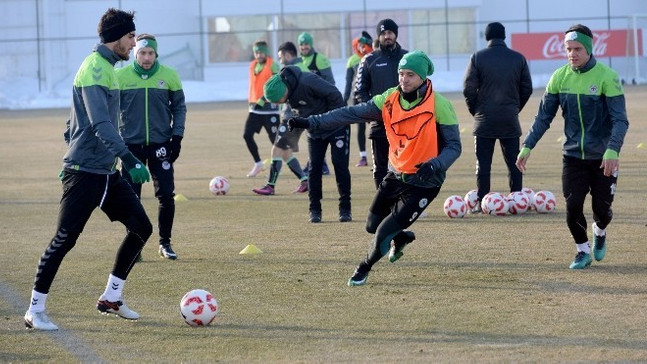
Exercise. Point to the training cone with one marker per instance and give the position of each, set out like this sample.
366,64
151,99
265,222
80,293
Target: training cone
463,130
641,146
180,197
560,139
250,249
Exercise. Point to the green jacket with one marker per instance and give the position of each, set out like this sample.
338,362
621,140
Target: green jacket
152,108
92,137
593,107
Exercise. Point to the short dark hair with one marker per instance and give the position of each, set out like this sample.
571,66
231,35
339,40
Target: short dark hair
580,29
114,24
288,47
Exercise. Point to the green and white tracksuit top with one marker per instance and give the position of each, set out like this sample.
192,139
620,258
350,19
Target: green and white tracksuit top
593,107
92,131
152,106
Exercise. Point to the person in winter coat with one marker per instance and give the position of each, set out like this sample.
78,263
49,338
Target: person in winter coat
309,94
377,72
496,87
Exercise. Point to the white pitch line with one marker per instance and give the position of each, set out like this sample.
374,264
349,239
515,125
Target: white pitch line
72,343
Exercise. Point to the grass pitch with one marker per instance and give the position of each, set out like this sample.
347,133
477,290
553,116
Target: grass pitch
484,289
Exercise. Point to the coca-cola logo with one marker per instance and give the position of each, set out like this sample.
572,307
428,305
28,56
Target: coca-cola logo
554,45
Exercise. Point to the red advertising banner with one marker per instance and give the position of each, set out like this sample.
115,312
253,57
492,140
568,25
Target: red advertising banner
606,43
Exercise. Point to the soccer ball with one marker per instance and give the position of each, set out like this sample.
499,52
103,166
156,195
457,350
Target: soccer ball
494,203
531,196
455,206
219,185
518,202
198,308
545,202
471,199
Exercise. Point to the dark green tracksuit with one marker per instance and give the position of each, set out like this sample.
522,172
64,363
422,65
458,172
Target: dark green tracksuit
89,177
595,120
153,112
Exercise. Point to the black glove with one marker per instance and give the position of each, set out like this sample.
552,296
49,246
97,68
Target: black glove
298,122
175,148
425,171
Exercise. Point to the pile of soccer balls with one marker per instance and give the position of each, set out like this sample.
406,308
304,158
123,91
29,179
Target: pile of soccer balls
496,204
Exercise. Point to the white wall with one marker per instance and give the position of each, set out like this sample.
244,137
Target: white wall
68,28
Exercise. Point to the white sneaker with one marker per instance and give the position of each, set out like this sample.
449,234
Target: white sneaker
255,170
118,308
39,321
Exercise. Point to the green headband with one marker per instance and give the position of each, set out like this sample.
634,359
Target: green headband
146,42
582,38
261,49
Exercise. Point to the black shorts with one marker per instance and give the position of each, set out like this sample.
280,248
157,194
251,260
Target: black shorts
286,139
404,201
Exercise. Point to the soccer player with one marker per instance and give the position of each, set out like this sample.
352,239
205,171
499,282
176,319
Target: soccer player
595,124
361,47
424,141
153,114
287,141
262,114
309,94
89,177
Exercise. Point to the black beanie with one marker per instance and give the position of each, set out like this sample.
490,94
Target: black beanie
386,24
494,31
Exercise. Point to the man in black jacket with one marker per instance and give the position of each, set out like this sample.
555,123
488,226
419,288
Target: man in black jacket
377,72
496,87
308,94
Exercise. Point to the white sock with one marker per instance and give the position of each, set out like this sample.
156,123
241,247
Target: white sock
584,247
38,300
114,289
259,164
362,154
597,231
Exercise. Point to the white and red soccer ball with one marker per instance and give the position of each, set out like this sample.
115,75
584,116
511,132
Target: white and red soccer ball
471,199
455,206
545,202
219,185
494,203
198,308
531,196
518,202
